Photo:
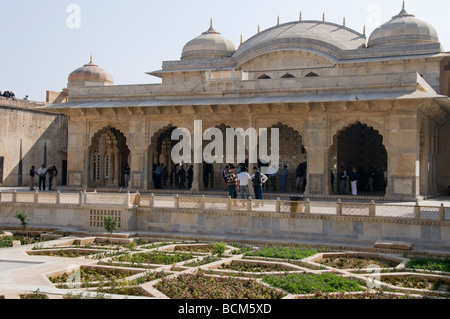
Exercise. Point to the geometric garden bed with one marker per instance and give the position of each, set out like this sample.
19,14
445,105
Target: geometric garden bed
191,270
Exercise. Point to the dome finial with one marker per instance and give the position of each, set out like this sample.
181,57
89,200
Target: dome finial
323,17
91,60
301,18
242,39
364,30
259,29
404,4
211,23
278,20
343,22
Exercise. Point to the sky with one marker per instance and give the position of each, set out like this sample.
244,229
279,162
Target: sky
43,41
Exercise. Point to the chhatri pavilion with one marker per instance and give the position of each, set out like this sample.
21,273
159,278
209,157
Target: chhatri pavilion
338,98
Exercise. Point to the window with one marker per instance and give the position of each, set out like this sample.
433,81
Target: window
264,77
288,76
311,74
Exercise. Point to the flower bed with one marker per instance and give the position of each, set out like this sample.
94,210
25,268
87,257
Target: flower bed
200,286
356,262
156,257
195,248
431,264
204,261
88,277
416,283
283,252
253,267
312,283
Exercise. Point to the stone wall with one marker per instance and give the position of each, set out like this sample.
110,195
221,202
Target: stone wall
30,137
295,227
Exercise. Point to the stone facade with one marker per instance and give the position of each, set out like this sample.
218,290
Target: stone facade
30,136
338,98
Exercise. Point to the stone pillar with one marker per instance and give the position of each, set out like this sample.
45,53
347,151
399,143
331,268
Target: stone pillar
197,181
314,142
87,165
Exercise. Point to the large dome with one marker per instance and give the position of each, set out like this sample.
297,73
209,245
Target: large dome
404,28
211,44
88,75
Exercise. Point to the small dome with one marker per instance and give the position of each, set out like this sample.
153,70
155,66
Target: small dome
89,75
404,28
210,44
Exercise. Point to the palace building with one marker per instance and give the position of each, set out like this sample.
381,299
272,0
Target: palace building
338,98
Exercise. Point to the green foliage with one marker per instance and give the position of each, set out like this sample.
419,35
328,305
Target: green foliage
426,263
219,249
34,295
199,286
155,257
283,252
312,283
6,242
110,224
23,218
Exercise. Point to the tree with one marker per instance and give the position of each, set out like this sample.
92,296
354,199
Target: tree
24,220
110,224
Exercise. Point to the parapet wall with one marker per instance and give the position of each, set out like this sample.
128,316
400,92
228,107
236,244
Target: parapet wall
315,222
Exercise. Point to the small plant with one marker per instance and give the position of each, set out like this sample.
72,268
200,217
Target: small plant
110,224
219,249
24,220
34,295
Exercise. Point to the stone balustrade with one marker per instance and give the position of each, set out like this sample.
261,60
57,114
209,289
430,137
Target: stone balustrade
136,200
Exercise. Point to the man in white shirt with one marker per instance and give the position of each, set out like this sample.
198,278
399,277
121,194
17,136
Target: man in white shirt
42,171
243,182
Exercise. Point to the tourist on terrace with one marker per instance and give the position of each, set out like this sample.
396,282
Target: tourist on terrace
354,181
33,173
232,182
42,171
243,182
284,173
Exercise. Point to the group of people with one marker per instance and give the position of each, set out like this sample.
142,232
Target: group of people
42,173
8,95
355,180
239,180
181,176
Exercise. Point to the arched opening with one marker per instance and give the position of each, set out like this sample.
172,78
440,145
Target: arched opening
292,161
163,172
359,146
109,154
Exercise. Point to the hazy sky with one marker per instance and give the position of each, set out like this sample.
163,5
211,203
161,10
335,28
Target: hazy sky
44,41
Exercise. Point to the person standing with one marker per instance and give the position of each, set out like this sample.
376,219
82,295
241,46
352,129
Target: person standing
256,178
126,174
354,181
51,176
243,182
55,178
42,171
158,175
182,174
165,175
332,181
284,173
32,175
190,176
371,174
232,182
225,174
343,181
